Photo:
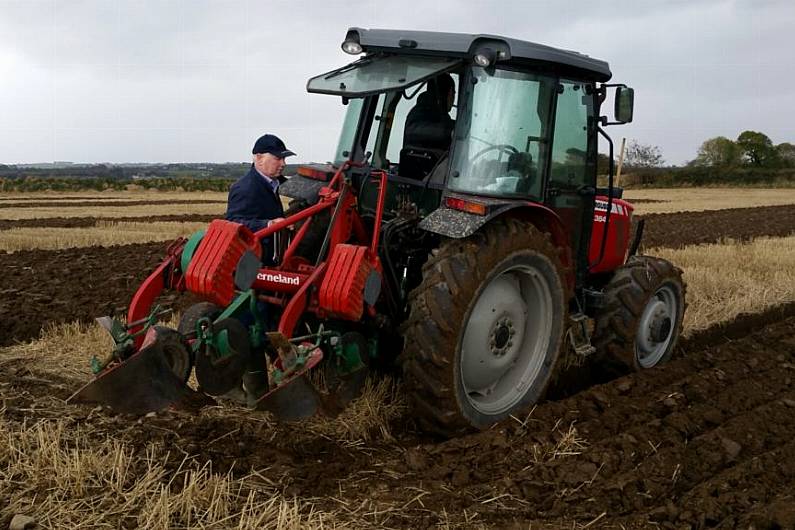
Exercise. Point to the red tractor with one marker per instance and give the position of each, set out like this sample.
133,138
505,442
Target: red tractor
466,242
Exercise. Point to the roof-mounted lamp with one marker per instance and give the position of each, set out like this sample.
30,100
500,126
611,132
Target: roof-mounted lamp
485,57
351,46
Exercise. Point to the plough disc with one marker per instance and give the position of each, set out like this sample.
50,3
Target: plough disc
146,381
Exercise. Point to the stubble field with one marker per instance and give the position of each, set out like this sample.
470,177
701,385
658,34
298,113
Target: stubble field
705,441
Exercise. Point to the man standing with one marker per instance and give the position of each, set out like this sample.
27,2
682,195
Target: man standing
254,202
254,198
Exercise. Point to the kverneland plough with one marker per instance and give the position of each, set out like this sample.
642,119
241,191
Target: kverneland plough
474,252
225,338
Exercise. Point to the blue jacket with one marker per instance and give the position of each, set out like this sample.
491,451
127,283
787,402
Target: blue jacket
252,203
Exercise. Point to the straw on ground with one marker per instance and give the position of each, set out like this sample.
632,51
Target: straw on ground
104,233
729,278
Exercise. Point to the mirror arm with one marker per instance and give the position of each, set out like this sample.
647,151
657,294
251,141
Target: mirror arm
609,199
602,91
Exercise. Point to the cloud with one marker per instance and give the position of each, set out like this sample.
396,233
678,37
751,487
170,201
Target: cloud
198,80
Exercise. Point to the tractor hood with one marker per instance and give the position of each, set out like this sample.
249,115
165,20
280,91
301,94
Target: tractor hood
379,73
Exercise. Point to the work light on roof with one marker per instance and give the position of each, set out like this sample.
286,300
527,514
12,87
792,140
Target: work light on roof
352,47
485,57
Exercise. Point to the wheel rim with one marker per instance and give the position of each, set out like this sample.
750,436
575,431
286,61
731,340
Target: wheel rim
506,339
656,329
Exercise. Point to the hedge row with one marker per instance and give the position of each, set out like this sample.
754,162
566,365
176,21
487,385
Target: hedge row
102,184
708,176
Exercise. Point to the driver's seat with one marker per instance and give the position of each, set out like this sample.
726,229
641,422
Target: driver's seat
418,162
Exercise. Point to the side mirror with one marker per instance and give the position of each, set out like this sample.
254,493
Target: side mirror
625,102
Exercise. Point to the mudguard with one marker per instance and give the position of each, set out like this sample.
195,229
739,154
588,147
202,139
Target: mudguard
302,188
458,224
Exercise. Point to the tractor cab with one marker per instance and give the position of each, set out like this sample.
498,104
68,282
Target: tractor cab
517,129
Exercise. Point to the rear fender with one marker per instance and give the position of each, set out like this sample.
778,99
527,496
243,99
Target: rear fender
457,224
302,188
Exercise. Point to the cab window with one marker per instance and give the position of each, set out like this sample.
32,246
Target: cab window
501,149
570,157
415,126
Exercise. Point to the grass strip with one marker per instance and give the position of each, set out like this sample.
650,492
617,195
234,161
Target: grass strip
143,210
104,233
701,199
729,278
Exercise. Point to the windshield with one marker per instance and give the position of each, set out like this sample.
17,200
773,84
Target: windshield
502,147
378,74
348,132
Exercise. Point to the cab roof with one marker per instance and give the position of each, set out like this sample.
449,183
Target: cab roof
465,44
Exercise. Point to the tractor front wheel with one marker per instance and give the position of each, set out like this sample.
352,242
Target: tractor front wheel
642,319
485,328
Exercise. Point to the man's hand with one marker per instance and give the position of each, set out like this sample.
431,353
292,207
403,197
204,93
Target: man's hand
274,221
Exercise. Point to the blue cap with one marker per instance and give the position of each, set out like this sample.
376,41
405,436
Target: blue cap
269,143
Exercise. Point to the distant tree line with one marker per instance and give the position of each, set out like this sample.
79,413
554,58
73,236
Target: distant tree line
100,177
28,184
751,149
750,160
125,171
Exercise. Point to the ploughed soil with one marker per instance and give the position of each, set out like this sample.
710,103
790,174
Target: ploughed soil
661,230
88,222
43,286
706,441
39,287
691,228
91,203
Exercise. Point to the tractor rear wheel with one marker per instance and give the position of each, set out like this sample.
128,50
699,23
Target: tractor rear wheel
642,319
485,328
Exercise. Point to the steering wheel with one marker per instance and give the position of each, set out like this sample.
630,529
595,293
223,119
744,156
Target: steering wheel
502,148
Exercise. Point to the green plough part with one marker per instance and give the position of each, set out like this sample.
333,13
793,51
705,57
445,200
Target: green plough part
244,302
124,340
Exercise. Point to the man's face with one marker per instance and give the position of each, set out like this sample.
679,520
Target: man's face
269,164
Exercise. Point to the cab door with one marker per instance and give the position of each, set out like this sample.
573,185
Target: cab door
572,165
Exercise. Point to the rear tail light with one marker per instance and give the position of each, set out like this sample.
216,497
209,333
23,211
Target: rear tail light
464,205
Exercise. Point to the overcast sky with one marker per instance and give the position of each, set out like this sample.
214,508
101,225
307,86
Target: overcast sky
199,80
